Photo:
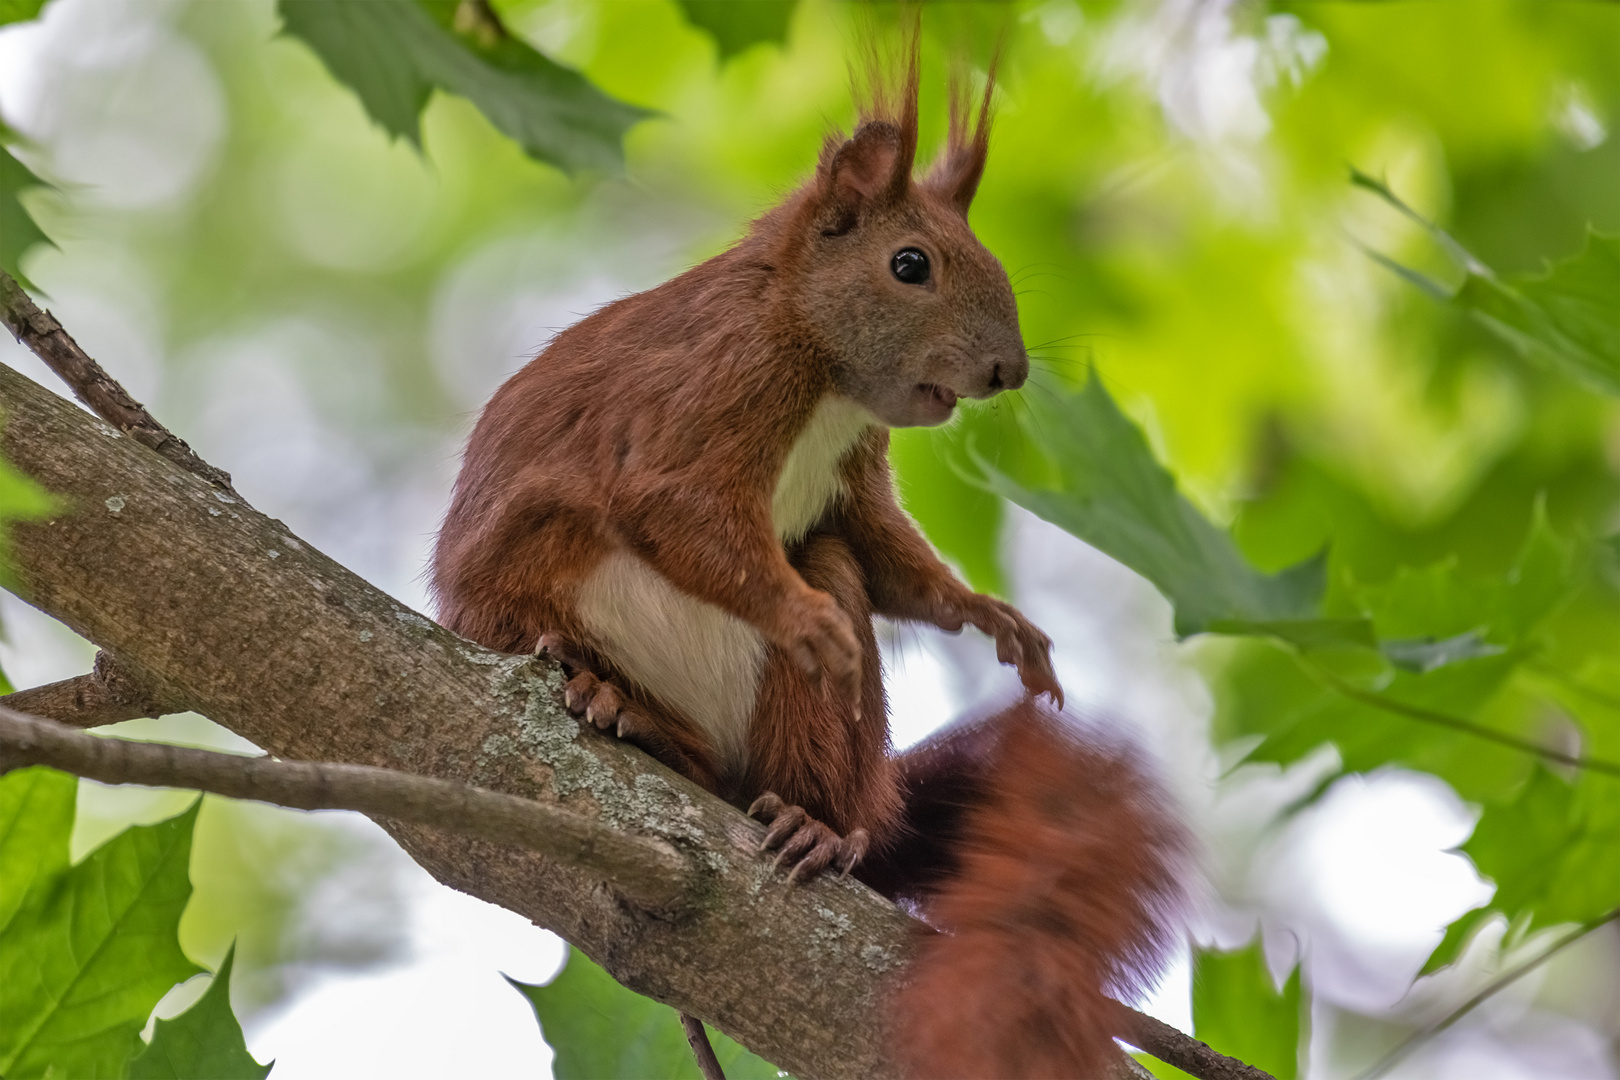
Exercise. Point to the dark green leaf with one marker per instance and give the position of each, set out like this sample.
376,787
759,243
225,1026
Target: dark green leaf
203,1043
737,24
19,11
1238,1010
1111,493
89,954
394,53
18,232
36,819
599,1029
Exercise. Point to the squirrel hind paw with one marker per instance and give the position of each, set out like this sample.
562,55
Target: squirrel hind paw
804,845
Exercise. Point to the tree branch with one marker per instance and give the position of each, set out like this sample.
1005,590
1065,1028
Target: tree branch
107,695
1182,1050
40,331
209,603
1389,1060
648,871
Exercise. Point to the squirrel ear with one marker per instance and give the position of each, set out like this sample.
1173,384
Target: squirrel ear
870,170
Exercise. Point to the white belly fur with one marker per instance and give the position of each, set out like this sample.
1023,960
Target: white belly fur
691,654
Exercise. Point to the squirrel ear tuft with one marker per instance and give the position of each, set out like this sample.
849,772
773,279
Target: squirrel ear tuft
957,174
872,169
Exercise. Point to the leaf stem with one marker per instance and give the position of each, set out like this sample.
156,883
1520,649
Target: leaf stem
1456,723
1385,1063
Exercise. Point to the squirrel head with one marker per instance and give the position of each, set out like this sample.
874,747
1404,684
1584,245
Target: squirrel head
915,312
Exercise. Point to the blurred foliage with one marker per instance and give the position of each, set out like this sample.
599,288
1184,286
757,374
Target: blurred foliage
600,1029
1400,514
18,232
1239,1008
203,1041
737,26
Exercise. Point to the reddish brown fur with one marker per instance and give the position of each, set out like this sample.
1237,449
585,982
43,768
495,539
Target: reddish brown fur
658,427
1065,884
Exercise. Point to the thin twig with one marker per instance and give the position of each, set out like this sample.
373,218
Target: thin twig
1177,1048
645,870
109,694
1456,723
40,331
1388,1060
698,1040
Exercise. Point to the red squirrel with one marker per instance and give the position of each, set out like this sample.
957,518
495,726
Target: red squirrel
686,499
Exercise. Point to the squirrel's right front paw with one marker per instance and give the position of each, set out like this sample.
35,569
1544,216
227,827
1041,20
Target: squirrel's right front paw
597,700
820,639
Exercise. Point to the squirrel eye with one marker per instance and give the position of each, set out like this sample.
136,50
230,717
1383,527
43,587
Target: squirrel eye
910,266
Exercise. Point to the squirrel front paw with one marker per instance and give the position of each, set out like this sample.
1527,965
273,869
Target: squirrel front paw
805,843
1019,642
819,638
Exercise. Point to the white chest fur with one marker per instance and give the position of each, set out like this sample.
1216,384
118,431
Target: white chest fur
694,656
810,479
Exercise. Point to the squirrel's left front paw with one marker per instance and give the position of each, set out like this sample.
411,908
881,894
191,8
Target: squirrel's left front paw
806,844
1018,642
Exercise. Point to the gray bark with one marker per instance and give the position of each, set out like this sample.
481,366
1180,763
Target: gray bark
210,604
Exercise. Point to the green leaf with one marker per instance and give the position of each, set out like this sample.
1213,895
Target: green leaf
90,952
203,1043
394,53
599,1029
1238,1010
1111,493
36,820
737,24
1567,319
19,11
1553,852
18,231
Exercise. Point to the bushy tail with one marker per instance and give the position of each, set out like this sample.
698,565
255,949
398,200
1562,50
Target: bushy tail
1065,889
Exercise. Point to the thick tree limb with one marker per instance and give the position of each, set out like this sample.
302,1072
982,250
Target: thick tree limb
108,695
204,600
211,606
104,396
645,870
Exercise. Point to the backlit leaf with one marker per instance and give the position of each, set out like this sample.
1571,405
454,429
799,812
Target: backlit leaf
1238,1010
89,953
395,53
204,1041
599,1029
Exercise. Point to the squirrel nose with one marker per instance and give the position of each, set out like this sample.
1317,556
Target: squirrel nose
1009,375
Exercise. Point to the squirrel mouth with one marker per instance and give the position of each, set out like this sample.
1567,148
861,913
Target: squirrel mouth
942,394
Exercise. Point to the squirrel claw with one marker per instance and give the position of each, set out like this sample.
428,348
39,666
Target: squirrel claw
806,845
